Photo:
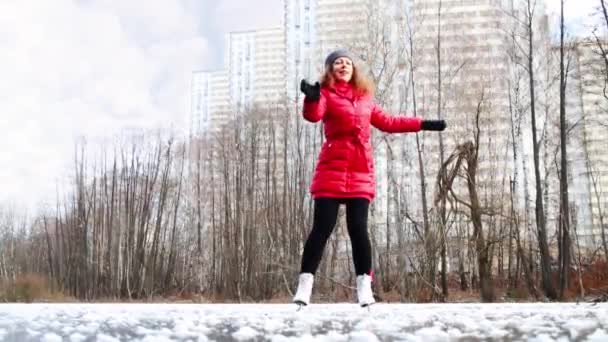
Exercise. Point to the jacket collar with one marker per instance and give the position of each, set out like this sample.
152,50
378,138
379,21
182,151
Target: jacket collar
344,90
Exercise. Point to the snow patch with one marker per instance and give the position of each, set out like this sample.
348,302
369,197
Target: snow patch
76,337
106,338
88,329
433,334
600,335
51,337
303,338
156,338
332,336
498,334
188,329
272,325
541,338
32,333
455,333
578,327
144,331
245,333
363,336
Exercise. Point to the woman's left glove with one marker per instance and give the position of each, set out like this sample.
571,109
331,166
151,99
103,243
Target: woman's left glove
433,125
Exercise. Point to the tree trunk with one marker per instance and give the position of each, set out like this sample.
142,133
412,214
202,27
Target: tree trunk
563,181
442,208
541,226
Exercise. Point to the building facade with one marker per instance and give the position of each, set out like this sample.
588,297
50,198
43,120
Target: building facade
588,105
210,101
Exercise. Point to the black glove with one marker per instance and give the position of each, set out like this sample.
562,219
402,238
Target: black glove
312,92
433,125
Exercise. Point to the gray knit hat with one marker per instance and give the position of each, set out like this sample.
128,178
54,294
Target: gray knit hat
337,54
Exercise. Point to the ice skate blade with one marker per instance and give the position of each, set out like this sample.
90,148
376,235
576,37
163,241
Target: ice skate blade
301,305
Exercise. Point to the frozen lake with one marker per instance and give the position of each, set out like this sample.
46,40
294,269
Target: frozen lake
317,322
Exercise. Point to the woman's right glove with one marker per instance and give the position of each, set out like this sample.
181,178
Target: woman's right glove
433,125
312,92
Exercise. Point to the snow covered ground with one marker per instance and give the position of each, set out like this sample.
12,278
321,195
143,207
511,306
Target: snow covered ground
317,322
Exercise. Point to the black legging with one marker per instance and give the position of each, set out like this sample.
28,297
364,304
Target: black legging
325,217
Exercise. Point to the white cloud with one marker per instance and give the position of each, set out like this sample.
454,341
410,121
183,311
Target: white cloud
74,67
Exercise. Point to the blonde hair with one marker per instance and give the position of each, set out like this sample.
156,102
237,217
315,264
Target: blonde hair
360,82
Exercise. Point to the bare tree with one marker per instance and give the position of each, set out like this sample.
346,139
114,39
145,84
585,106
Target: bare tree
467,154
563,183
442,206
526,59
425,235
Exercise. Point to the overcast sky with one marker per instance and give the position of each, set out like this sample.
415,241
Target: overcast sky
92,68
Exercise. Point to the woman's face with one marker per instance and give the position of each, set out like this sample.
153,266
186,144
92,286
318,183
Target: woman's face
342,69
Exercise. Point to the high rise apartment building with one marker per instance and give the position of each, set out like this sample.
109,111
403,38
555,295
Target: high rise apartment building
300,38
241,70
253,76
588,106
269,57
210,101
474,75
256,60
199,115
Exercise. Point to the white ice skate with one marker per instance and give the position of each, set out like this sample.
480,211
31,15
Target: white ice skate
364,290
304,290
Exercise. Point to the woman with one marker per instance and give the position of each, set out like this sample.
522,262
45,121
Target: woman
344,172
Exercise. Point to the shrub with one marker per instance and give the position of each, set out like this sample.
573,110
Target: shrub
26,288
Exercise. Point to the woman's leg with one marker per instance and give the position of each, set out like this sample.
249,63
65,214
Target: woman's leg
356,222
324,221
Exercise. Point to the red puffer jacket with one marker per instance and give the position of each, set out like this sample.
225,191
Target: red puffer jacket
345,168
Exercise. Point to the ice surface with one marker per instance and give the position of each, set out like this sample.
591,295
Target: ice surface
317,322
